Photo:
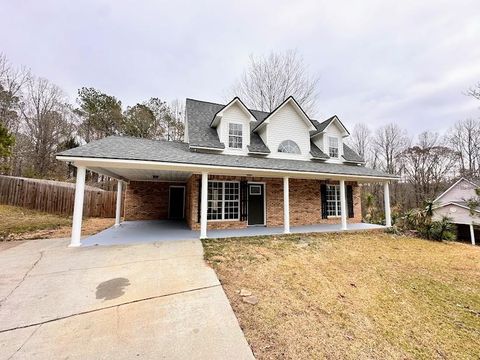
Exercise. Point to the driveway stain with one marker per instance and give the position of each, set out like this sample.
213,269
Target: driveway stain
112,289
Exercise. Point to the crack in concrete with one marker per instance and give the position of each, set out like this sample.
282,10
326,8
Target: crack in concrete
114,265
110,307
23,278
26,340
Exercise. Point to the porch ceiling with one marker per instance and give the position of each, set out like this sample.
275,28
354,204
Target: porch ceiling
132,174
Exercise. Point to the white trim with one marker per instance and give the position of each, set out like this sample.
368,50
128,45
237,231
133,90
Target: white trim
297,108
452,186
286,206
227,170
386,199
339,123
264,201
223,199
472,234
453,203
78,207
183,203
235,100
343,205
204,206
118,206
242,136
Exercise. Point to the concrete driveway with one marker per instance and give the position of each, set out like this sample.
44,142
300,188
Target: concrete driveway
153,301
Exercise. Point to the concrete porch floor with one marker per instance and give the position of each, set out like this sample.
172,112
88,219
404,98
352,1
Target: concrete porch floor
145,231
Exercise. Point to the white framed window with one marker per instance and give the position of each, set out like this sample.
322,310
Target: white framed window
333,200
289,146
255,190
333,147
223,200
235,136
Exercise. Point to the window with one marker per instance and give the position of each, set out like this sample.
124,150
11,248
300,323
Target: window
255,190
333,200
333,147
289,146
235,136
223,200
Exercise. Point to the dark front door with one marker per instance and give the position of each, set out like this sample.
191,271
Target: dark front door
256,204
176,202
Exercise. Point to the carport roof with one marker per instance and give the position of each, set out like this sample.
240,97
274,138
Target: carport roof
130,148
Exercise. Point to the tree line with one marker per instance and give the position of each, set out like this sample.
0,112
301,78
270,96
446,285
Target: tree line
37,120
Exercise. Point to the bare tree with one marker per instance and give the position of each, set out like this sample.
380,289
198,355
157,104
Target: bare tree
360,139
428,166
474,91
48,121
389,142
465,140
269,80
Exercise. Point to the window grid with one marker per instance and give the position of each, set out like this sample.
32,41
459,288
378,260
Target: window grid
289,147
235,136
333,200
223,200
333,147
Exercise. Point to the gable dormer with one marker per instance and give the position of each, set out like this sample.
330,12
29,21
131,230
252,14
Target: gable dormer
286,131
232,123
329,138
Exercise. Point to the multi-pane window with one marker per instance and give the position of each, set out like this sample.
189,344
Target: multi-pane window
333,147
289,146
223,200
333,200
235,136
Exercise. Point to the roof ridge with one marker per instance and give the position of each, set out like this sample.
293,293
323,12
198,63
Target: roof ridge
214,103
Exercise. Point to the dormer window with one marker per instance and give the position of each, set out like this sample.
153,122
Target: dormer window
235,136
289,147
333,147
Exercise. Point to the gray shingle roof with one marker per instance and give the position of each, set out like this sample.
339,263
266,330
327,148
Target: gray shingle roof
350,155
129,148
317,153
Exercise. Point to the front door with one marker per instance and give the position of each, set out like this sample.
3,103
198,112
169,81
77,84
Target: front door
176,203
256,204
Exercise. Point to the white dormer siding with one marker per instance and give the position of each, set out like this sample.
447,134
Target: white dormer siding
322,141
462,190
286,124
236,115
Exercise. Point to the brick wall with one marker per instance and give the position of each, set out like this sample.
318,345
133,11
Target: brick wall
147,200
305,203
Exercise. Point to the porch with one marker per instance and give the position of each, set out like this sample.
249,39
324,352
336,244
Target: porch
148,231
214,201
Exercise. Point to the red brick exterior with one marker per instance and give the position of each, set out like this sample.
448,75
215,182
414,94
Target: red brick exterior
149,200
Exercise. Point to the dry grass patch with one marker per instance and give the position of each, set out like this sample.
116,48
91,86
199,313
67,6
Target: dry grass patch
18,223
353,296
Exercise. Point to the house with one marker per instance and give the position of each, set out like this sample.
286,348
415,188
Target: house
454,204
236,168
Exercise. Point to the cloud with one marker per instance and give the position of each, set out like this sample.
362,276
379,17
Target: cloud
378,61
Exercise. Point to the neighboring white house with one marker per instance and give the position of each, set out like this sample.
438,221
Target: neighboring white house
454,203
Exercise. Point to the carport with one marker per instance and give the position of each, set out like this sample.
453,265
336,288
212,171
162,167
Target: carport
148,231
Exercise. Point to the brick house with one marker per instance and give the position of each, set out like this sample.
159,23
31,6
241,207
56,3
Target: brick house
236,168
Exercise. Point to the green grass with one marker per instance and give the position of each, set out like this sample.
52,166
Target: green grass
353,296
15,220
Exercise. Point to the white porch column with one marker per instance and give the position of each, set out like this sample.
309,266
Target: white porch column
118,209
78,207
343,205
286,206
386,199
472,234
204,206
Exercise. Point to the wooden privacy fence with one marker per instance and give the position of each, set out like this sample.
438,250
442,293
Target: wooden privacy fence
55,197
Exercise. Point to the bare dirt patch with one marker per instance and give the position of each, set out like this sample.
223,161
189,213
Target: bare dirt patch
18,223
352,296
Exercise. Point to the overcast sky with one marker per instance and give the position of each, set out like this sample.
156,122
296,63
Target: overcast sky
378,61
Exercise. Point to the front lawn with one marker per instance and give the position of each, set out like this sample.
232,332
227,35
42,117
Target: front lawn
352,296
17,223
